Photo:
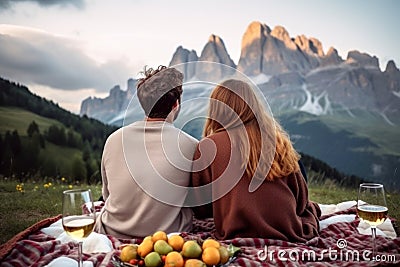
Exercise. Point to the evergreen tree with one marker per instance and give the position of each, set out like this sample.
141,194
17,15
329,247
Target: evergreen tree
32,128
7,154
86,154
57,135
30,155
15,143
12,151
2,151
79,170
73,139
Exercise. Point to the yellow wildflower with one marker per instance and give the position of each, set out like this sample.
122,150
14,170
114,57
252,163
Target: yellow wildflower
20,188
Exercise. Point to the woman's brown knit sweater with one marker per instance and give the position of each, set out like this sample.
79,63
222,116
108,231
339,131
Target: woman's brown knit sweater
277,210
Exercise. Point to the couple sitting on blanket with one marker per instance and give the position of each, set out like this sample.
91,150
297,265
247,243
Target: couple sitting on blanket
244,173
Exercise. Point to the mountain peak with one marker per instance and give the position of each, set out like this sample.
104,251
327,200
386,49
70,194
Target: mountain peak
256,30
316,47
183,55
331,58
215,51
115,90
280,33
257,26
362,58
311,45
391,67
214,39
332,51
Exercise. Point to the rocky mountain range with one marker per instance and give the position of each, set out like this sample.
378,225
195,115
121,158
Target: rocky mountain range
281,63
295,75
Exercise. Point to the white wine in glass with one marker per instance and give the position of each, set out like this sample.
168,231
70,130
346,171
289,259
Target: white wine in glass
78,216
372,208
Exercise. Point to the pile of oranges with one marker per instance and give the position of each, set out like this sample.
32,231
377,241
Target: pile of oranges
173,251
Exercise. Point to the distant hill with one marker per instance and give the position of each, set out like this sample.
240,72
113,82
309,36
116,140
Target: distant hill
39,139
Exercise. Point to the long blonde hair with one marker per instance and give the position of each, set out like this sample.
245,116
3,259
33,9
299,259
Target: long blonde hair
266,150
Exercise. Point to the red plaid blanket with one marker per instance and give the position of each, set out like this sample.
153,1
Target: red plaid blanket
339,244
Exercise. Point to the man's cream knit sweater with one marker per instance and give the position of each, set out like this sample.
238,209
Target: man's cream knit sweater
145,170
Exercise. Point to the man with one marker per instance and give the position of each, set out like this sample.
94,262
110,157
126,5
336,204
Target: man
146,165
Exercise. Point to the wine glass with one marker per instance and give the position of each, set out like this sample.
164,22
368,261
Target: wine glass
371,208
78,216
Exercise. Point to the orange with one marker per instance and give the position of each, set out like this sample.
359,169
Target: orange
211,256
176,242
174,259
211,243
145,248
159,235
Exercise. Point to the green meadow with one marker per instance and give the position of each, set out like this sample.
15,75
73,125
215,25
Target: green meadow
52,158
24,204
27,203
13,118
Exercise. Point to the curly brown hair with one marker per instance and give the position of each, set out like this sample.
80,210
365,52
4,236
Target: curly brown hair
159,90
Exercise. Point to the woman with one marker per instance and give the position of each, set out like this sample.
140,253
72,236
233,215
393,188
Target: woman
258,189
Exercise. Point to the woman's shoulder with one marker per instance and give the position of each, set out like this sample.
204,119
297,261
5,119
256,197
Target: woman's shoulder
215,142
215,139
219,136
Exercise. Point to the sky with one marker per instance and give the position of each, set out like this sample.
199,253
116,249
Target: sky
68,50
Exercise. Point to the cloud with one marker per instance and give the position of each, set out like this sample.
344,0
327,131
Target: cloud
45,3
36,57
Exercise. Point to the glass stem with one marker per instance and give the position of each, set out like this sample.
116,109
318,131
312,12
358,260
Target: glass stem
80,261
373,229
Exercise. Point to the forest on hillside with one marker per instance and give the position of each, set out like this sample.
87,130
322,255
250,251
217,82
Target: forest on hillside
20,152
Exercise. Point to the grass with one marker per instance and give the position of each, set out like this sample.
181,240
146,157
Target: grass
40,200
19,210
326,191
21,119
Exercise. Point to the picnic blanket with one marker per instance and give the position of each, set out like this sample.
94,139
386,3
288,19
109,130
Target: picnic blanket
343,241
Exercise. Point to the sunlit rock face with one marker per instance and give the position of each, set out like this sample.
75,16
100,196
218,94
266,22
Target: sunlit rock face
293,72
274,51
251,57
311,46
